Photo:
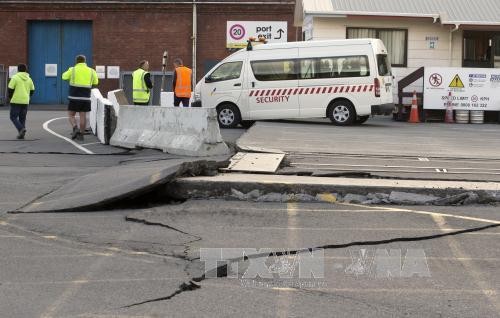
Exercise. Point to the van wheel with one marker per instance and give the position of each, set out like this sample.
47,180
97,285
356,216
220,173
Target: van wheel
361,119
342,113
228,116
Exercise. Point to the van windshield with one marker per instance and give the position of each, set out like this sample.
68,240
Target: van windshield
384,67
226,71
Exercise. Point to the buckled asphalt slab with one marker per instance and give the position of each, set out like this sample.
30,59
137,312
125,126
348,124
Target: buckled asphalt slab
118,183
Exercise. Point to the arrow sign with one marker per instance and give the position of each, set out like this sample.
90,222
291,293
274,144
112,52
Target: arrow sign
280,33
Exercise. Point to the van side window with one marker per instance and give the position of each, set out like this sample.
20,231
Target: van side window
227,71
307,68
384,68
334,67
353,66
278,70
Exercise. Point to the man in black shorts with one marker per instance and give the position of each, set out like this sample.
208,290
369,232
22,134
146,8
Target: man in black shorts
81,80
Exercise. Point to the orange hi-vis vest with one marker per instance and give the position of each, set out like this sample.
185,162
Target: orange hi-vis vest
183,82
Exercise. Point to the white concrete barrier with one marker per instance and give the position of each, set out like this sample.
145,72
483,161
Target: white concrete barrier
176,130
118,98
99,116
167,99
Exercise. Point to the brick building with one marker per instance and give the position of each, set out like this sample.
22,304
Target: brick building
122,32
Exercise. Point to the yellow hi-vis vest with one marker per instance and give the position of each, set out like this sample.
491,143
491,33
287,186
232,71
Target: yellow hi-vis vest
140,93
22,85
81,79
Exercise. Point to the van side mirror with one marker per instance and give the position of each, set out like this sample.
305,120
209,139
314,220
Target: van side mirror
208,79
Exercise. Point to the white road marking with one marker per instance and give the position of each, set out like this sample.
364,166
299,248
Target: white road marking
46,127
461,217
423,159
90,143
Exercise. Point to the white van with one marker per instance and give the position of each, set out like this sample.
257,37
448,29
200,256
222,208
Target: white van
344,80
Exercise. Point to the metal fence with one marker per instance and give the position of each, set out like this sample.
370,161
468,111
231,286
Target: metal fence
126,85
3,85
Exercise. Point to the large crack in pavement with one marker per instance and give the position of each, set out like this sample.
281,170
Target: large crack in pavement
186,244
222,270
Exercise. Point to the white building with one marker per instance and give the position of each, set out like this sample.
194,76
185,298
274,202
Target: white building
417,33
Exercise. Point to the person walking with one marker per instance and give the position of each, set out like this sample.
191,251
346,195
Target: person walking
141,84
81,80
20,89
182,83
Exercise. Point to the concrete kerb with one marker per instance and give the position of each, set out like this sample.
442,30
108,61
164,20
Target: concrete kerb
366,191
180,131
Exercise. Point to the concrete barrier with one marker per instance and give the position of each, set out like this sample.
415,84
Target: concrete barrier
176,130
167,99
101,116
118,98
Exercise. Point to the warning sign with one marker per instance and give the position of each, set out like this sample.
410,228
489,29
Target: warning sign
470,88
456,82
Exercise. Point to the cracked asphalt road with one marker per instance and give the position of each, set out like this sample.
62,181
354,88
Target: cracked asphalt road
112,264
142,262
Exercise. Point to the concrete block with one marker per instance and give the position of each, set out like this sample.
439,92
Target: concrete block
272,197
180,131
117,99
405,198
98,115
167,99
355,198
457,199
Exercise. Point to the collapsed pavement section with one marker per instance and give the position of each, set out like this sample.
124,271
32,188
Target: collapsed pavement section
117,184
279,188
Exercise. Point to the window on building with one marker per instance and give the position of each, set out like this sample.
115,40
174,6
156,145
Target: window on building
395,41
277,70
226,71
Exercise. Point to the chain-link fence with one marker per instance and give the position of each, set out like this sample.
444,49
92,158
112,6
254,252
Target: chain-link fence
126,85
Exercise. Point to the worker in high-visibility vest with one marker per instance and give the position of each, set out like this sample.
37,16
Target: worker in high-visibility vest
21,88
81,80
141,84
182,83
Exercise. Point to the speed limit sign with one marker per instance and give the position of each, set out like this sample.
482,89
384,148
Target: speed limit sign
237,32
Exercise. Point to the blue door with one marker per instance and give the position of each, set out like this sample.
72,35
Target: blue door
56,42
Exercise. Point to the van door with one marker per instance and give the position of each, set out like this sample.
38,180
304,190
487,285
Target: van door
273,84
223,84
385,79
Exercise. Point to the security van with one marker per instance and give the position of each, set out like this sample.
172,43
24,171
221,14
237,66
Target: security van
343,80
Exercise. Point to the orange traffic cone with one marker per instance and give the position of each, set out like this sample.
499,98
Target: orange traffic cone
414,110
448,118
